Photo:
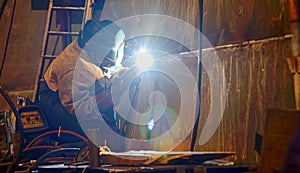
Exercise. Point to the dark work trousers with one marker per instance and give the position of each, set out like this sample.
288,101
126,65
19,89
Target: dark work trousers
56,114
58,117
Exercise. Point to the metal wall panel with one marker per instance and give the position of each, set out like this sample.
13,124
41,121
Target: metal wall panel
257,78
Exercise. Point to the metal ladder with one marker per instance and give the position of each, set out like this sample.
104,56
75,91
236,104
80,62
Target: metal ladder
46,58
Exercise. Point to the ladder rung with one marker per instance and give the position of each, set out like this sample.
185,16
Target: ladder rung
67,8
49,56
62,33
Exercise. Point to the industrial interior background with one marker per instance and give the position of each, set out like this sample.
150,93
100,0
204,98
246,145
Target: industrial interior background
251,37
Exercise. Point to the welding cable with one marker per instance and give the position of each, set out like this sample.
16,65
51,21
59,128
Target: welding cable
8,36
84,169
8,125
52,154
41,147
6,154
19,132
7,142
55,132
198,107
5,157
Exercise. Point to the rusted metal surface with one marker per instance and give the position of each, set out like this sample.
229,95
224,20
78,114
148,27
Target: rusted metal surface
24,47
294,14
257,78
281,125
186,11
294,62
231,21
225,21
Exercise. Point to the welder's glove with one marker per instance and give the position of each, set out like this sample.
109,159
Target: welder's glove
120,73
121,81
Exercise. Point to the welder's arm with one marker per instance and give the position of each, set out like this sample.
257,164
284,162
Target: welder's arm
102,94
104,100
83,92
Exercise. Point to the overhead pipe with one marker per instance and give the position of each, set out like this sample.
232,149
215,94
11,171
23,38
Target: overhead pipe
294,62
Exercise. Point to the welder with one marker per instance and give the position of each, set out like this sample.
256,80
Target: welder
66,99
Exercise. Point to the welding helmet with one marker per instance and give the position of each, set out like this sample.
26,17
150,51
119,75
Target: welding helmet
104,42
